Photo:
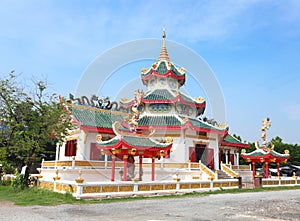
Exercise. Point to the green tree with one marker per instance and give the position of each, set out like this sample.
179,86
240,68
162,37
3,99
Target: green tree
294,150
32,120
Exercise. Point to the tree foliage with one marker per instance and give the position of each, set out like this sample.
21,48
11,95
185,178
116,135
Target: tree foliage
294,150
30,120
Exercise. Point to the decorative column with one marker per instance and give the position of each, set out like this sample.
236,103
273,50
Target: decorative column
253,169
57,152
153,169
113,167
226,156
278,169
267,169
237,159
105,160
125,158
140,168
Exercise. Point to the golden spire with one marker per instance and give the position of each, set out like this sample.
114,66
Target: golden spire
163,53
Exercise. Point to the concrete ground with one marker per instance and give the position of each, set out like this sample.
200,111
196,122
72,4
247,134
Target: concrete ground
265,206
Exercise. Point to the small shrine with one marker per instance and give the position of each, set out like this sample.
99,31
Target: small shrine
126,145
265,153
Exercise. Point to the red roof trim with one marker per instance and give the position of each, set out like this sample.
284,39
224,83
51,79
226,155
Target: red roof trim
229,144
177,98
97,129
206,130
267,157
122,143
168,73
188,124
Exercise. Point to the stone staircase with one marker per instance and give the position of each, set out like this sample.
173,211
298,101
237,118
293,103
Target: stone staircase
223,175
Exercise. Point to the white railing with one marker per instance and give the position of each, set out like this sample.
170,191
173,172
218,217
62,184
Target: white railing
105,189
212,175
228,170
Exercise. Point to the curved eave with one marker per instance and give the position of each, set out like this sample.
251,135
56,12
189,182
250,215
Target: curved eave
238,145
150,148
268,157
146,77
97,129
123,143
188,124
207,130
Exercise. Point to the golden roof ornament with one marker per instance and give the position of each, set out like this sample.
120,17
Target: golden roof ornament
266,124
163,56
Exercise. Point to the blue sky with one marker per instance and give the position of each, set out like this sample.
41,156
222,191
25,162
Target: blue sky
253,48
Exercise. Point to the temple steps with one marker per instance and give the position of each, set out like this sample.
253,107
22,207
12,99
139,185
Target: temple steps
223,175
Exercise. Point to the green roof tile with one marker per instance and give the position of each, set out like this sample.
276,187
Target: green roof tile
175,71
109,143
159,94
187,98
143,142
159,121
94,118
162,68
199,124
256,153
232,139
276,154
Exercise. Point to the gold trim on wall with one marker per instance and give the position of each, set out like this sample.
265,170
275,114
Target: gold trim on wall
200,142
199,137
72,138
74,132
166,135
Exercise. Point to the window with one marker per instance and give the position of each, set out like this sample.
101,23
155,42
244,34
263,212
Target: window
70,148
199,133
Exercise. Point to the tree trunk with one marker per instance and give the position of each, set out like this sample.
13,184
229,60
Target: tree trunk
27,173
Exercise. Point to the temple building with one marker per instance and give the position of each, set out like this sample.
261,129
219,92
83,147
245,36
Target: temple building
160,125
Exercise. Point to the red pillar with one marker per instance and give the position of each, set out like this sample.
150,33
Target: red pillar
113,167
253,169
140,168
153,168
125,157
278,169
267,169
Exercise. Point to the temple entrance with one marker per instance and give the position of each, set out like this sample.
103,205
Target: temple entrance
203,153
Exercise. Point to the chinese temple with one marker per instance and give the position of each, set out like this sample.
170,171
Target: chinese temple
265,153
162,124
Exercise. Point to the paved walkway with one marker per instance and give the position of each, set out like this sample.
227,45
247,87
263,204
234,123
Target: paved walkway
268,206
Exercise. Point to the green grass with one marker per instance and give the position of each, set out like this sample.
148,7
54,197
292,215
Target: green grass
35,196
43,197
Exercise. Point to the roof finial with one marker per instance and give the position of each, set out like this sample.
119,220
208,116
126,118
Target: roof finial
163,53
164,33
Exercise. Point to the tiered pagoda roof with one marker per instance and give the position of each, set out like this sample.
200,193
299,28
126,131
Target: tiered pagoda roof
163,68
183,113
